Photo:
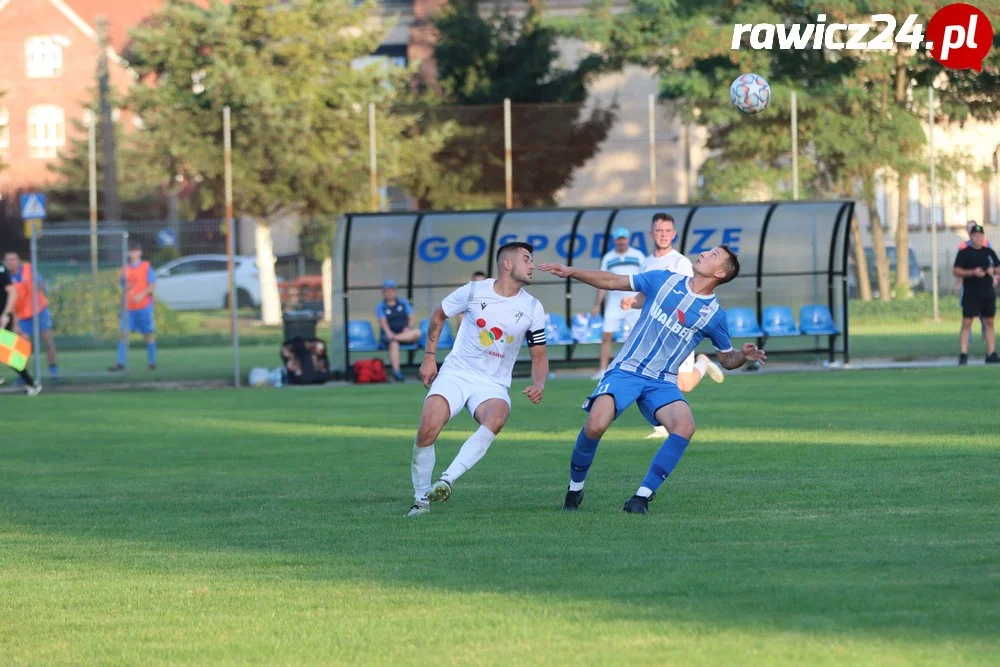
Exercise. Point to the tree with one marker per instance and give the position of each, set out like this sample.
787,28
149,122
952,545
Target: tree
482,61
141,184
858,110
299,108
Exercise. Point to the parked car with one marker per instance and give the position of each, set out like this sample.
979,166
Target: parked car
916,272
201,282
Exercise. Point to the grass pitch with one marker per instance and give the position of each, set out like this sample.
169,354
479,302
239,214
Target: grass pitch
831,518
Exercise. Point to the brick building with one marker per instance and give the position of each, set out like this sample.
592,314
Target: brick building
49,49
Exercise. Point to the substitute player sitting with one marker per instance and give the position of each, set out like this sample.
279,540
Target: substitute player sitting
476,375
139,282
678,313
624,261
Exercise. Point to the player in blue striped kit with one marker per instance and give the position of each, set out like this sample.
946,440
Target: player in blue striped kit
677,313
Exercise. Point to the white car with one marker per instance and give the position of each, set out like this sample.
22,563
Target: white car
201,282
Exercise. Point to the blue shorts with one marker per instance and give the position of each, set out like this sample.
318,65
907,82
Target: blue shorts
141,321
44,323
628,388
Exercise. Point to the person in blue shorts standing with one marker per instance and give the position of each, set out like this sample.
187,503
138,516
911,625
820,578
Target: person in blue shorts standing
678,312
139,283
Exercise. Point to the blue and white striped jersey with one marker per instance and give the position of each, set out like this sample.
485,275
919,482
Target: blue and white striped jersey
672,323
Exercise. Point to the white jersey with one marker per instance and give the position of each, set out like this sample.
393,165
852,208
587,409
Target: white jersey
673,261
492,330
628,263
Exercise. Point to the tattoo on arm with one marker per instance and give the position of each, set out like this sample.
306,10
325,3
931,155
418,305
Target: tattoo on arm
433,331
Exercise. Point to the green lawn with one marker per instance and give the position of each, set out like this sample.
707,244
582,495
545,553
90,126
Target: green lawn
846,518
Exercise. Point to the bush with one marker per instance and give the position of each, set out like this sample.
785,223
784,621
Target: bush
71,300
917,309
164,255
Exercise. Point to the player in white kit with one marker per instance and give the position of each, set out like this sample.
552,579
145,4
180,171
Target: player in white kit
666,258
622,261
498,316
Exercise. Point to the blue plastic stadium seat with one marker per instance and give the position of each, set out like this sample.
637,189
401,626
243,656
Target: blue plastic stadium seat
445,341
361,336
780,321
556,330
742,323
816,320
587,328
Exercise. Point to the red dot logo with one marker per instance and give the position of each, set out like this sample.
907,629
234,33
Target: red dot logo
959,36
480,323
496,333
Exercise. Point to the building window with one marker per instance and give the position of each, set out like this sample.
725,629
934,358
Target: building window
46,130
4,133
43,57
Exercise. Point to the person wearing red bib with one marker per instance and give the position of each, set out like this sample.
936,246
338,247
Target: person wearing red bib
22,275
139,283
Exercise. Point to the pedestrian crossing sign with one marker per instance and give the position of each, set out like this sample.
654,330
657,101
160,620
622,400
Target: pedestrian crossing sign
32,206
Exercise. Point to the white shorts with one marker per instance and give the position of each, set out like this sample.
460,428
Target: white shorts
688,365
614,316
463,391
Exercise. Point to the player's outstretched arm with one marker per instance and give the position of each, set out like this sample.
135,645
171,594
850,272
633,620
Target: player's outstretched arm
600,279
735,358
539,373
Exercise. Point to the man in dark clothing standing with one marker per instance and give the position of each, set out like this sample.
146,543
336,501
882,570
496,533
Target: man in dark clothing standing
977,265
7,321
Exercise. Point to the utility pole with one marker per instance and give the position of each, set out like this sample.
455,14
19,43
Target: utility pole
112,207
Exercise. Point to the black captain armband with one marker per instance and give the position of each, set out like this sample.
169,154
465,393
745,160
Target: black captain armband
536,337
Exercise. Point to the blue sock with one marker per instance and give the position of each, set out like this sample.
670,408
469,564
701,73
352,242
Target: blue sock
121,352
665,461
583,456
151,353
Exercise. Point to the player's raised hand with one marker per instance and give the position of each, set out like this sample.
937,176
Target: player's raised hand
752,353
534,393
558,270
627,302
428,370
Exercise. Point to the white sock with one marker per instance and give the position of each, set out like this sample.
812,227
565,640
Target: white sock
701,365
575,486
421,471
644,492
470,453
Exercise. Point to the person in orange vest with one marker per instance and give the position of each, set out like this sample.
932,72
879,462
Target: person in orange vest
139,283
8,299
22,276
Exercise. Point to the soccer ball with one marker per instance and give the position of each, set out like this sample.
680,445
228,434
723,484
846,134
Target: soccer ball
750,93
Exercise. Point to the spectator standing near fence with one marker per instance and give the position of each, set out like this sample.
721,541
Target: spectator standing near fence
395,317
977,266
139,282
22,276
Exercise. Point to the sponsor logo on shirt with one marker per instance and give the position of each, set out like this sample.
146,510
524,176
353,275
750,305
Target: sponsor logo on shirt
492,337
